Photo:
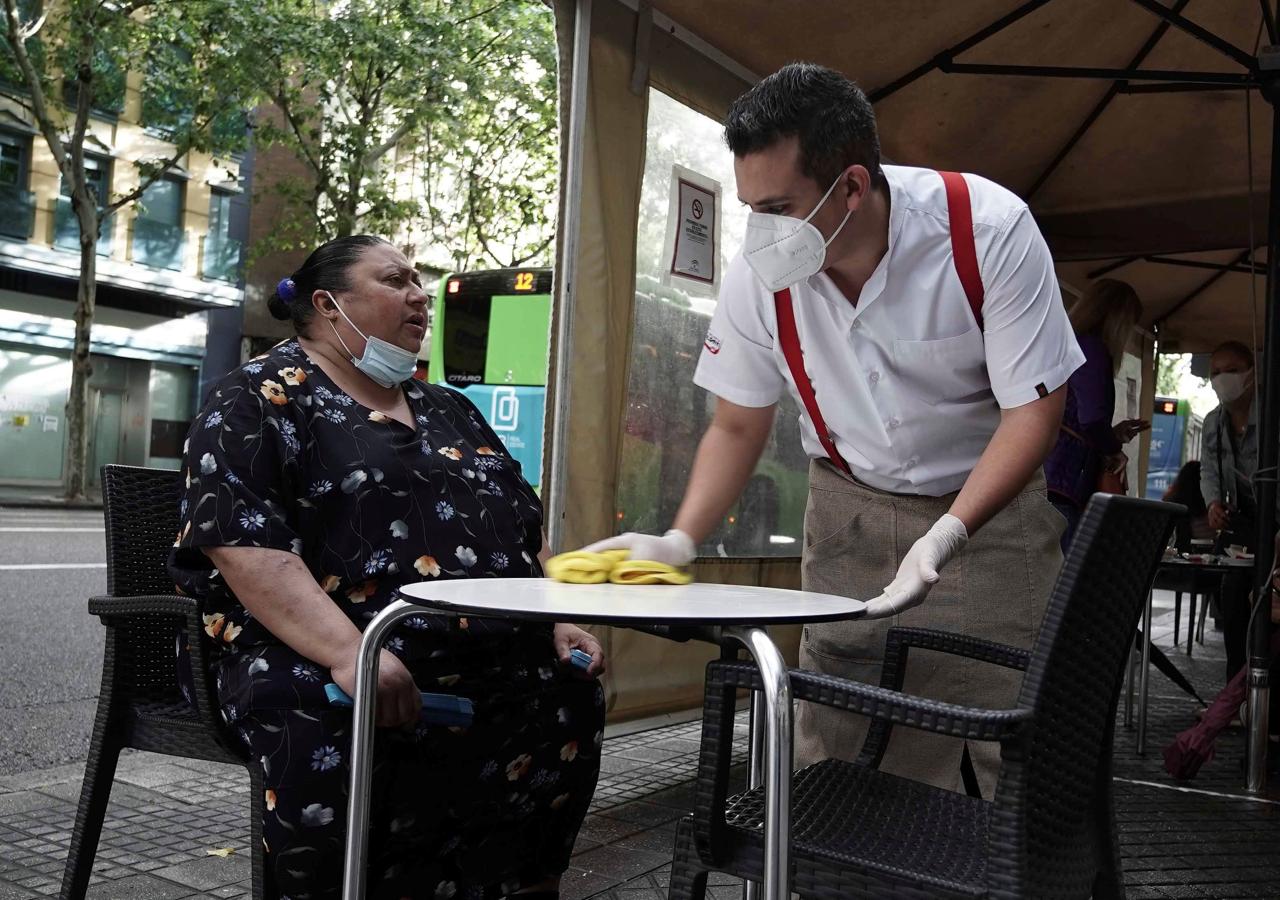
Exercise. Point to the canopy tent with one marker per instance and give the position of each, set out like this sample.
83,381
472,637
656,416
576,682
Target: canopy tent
1134,129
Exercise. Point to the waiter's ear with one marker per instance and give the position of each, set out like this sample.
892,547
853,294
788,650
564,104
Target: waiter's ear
857,185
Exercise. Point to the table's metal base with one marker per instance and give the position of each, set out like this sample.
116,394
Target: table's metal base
770,751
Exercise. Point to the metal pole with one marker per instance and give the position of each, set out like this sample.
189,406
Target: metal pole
777,758
1144,677
1268,451
567,269
1129,666
755,769
362,718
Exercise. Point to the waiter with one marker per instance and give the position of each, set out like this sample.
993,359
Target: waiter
917,319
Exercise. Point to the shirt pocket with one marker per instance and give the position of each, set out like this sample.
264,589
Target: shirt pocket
946,370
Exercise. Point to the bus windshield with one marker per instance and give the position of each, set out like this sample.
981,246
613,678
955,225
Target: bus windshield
490,338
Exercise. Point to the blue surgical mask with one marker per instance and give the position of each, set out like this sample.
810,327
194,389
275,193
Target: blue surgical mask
383,362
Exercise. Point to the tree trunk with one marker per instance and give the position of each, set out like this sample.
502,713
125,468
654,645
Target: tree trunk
81,366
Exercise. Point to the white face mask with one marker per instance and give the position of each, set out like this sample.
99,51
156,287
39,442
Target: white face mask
383,362
783,250
1231,386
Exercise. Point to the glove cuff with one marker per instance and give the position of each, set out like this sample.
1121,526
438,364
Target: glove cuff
952,532
684,545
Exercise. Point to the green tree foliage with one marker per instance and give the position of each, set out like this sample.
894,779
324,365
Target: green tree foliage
1170,370
65,62
431,120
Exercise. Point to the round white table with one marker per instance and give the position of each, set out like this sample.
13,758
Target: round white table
735,613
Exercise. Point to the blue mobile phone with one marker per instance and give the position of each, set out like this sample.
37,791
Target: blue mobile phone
437,709
580,659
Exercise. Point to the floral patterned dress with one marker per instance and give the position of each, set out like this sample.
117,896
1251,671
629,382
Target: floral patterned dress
282,458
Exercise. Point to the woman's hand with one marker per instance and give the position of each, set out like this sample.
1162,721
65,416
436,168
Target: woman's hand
1129,429
571,637
1116,462
399,701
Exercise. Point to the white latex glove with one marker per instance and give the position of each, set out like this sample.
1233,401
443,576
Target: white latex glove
920,568
675,548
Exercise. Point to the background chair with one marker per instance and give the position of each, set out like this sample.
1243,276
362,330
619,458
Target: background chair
140,704
1048,833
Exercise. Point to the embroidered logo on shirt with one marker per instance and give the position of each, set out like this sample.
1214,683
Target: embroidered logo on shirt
1041,390
712,344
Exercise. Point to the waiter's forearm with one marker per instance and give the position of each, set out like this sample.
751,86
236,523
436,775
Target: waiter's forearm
1018,448
726,457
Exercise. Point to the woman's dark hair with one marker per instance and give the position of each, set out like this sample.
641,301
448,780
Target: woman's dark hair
324,270
828,112
1186,489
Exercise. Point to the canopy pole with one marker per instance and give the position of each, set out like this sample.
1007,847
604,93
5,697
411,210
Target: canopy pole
567,269
1268,453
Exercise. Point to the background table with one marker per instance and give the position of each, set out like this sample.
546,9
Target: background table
1219,565
732,613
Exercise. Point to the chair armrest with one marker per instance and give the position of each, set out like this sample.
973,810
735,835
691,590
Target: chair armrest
153,605
127,620
887,705
900,640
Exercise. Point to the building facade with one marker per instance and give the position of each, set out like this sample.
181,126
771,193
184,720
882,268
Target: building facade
170,292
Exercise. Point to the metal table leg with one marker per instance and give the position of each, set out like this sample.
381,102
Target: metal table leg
755,768
362,718
1129,661
775,740
1144,673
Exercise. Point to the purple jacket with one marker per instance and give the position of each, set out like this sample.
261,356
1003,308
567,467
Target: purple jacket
1072,467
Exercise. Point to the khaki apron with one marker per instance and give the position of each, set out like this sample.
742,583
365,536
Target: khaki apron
997,589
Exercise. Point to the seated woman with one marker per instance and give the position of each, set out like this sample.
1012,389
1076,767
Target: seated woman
1186,490
320,478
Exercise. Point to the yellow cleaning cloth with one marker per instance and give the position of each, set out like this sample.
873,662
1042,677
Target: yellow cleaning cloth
646,571
585,567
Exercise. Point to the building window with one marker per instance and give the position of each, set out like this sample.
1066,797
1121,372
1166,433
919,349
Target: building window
17,205
221,251
158,237
66,230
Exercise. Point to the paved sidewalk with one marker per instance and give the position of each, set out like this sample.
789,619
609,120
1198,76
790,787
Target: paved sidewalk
1203,839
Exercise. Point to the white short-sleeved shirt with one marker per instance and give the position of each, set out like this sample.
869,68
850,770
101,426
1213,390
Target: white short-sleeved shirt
910,388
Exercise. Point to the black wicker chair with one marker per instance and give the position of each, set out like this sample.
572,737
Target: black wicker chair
1050,830
140,704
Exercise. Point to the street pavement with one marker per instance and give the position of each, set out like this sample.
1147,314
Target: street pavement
51,562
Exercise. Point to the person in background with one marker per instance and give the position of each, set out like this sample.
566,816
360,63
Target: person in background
1088,444
1186,490
1228,463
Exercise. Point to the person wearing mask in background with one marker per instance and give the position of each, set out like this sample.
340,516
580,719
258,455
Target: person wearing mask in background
1088,444
917,319
1228,461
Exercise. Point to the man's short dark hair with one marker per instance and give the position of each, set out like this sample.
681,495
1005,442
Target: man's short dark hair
829,113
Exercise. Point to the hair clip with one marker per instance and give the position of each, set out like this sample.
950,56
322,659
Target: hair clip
286,290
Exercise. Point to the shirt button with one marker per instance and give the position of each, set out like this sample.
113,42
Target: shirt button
857,323
874,376
893,423
911,463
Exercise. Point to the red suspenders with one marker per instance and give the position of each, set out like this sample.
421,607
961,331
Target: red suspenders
965,257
